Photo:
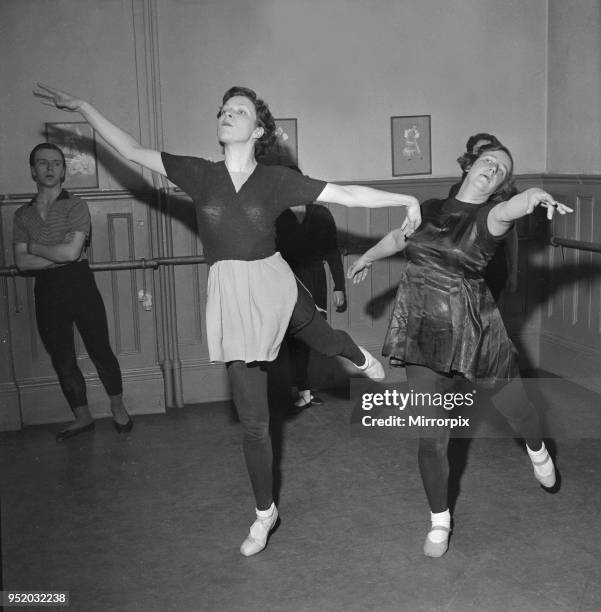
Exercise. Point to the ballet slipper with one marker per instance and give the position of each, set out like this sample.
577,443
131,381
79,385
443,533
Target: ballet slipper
436,549
305,399
256,540
372,368
544,471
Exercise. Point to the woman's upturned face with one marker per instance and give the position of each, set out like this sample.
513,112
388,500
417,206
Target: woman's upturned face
237,121
490,171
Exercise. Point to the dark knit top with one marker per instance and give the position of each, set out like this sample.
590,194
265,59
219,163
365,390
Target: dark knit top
239,225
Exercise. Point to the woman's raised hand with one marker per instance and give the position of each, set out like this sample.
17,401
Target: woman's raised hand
56,97
538,197
358,271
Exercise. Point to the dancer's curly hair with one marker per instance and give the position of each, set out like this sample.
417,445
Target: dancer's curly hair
264,118
466,160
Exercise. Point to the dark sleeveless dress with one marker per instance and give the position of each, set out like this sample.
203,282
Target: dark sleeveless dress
444,315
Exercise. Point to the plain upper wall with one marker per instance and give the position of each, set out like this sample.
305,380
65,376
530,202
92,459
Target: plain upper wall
83,46
344,67
341,67
574,129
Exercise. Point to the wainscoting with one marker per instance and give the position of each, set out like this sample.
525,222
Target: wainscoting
554,317
570,335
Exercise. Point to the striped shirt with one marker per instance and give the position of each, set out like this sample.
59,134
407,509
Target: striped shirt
66,214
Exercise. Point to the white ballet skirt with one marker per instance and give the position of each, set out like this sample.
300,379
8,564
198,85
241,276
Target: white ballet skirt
249,304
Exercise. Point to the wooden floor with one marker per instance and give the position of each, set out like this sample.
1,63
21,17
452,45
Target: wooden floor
153,520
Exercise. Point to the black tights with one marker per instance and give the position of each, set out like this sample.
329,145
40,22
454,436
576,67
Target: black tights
511,401
309,327
65,296
299,359
249,390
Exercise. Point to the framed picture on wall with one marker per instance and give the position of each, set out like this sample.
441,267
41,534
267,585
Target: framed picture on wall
77,141
411,151
286,145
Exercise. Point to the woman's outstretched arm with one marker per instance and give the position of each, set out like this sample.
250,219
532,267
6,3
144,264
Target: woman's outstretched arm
392,243
121,141
359,195
504,214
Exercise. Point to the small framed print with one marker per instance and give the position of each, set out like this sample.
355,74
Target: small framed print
411,150
76,139
286,145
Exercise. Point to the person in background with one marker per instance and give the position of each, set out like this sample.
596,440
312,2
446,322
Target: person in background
50,240
306,237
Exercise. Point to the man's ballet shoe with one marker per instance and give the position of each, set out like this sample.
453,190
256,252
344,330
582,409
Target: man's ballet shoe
123,427
65,434
259,532
307,399
436,549
372,368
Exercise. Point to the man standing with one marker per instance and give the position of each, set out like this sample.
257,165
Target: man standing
50,240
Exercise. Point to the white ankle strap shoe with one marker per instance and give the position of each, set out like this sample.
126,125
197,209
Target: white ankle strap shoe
372,368
256,540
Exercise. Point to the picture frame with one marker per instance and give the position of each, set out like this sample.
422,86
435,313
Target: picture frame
77,141
286,145
411,145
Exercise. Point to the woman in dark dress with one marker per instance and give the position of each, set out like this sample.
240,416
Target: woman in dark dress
252,297
446,327
501,273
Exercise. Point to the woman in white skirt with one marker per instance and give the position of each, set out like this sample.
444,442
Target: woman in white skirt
253,297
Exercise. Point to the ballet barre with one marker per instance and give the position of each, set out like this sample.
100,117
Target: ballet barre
575,244
131,264
350,249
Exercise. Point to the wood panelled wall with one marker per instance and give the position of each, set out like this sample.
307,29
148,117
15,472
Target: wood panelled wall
163,353
570,341
120,231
